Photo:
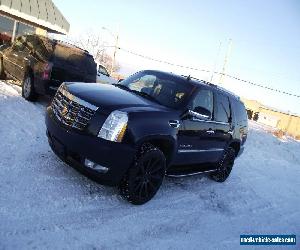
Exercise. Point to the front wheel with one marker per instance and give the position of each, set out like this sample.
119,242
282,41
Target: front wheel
224,166
28,90
145,177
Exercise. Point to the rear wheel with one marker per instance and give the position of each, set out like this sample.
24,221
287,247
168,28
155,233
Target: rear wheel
27,89
145,177
224,166
2,74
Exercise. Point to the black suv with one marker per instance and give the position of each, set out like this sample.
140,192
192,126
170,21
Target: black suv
149,125
41,64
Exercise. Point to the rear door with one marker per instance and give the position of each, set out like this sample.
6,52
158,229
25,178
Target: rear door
222,120
11,59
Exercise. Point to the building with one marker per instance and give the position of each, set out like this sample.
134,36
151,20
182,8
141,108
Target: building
19,17
284,121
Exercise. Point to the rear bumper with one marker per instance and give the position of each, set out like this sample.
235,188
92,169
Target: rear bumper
45,87
78,147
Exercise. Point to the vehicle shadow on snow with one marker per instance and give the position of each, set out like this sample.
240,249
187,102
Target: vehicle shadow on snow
42,100
172,190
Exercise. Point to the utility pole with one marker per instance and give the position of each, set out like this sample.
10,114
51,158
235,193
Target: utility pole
115,51
215,63
225,61
116,37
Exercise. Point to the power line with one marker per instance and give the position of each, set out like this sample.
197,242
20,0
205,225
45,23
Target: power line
208,71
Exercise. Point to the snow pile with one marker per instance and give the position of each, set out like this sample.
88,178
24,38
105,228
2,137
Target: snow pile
47,204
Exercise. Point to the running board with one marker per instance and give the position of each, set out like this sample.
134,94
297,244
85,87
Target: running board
189,174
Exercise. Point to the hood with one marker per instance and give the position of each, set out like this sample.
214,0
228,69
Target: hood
108,96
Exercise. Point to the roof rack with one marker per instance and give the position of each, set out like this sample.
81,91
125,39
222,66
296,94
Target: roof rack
70,44
213,85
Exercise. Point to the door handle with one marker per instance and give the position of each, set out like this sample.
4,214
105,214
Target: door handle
230,132
174,123
210,131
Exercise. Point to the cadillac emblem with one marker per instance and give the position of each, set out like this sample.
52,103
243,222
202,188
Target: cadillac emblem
64,111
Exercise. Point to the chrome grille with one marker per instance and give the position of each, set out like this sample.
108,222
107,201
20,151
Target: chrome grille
72,111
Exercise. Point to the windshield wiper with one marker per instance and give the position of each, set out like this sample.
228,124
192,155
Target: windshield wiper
121,86
146,95
143,94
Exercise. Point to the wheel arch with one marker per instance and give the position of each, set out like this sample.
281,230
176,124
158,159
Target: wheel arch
236,145
166,144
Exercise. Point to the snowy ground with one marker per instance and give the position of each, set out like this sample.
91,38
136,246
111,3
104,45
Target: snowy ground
46,204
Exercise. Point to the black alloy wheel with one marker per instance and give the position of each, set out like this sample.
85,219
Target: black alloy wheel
145,177
224,166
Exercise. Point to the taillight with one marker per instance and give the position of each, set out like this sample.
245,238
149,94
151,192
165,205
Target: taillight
47,71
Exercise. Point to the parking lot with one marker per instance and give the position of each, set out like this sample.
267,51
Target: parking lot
45,203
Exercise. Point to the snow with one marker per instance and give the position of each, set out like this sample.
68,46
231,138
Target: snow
46,204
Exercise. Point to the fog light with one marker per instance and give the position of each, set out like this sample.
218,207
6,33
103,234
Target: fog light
95,166
89,163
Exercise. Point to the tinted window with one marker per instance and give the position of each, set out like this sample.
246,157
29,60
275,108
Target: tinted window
102,70
222,108
75,58
240,111
168,90
203,102
19,45
42,47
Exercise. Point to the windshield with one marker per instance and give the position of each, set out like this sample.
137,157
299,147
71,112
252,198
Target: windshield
165,89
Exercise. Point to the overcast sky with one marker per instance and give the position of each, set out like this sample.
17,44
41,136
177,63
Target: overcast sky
265,39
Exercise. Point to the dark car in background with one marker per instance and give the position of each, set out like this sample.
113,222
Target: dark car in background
41,64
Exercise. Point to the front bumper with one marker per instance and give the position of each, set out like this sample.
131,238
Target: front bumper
242,148
73,148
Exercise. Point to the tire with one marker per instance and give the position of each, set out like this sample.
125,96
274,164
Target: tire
225,166
2,74
27,88
145,176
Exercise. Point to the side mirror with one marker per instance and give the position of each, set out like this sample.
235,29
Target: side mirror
102,73
203,112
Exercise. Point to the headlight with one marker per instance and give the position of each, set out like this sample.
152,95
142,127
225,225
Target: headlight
114,127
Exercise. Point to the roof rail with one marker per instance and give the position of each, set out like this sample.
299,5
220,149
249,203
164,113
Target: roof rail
213,85
70,44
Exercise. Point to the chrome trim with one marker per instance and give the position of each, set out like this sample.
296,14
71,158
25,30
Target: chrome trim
209,121
63,90
210,131
191,174
197,115
6,58
174,123
199,150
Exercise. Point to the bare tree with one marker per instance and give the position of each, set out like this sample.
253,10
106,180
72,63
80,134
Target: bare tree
98,48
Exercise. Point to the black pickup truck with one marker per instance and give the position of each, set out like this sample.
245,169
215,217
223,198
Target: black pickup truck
152,124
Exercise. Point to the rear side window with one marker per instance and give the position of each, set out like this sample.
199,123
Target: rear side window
222,108
42,47
239,110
